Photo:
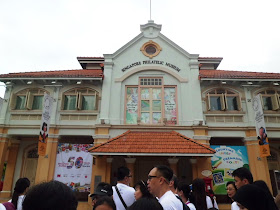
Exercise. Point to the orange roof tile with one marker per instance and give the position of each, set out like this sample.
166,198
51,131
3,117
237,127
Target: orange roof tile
80,73
222,74
152,143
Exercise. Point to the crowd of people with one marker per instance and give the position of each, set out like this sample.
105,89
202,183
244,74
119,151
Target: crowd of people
162,191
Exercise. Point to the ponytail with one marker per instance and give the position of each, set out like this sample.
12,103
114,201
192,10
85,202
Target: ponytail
20,187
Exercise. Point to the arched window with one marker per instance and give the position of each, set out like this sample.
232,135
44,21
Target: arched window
80,99
270,99
223,100
30,99
151,102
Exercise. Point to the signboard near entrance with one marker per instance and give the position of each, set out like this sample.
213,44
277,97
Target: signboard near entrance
224,162
74,166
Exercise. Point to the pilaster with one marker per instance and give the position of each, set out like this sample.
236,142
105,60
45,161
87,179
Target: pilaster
173,164
258,165
10,170
130,163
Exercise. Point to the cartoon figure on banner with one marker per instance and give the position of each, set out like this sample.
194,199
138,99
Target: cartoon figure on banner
44,134
262,136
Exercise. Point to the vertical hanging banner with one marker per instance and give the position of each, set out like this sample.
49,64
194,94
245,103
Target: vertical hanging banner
74,166
45,124
260,127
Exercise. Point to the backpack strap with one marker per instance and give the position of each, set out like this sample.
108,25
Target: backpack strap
119,194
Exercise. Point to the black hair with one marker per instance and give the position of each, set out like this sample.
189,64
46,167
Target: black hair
175,181
233,183
105,186
264,187
43,125
254,198
53,195
199,194
21,185
147,204
122,173
185,187
106,200
165,171
243,173
143,188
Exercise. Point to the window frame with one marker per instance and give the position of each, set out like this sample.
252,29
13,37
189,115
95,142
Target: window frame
150,88
275,100
224,94
79,93
29,94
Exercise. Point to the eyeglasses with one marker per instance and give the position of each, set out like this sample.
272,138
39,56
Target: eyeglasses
150,177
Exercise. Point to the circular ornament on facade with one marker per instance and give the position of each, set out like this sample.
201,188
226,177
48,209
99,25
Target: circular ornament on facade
150,49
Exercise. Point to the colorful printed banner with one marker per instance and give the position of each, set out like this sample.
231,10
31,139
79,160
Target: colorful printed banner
224,162
74,166
45,124
260,126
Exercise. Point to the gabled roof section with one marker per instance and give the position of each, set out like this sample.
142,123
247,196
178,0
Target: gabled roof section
139,143
79,73
150,31
224,74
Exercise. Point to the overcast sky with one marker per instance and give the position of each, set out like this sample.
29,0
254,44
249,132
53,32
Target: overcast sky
49,34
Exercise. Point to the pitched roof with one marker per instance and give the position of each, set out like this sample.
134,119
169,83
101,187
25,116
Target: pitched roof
222,74
152,144
79,73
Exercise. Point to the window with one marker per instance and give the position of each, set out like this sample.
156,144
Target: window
270,99
151,103
223,100
80,99
31,99
150,49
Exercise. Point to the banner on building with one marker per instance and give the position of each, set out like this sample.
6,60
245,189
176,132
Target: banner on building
224,162
260,127
45,124
74,166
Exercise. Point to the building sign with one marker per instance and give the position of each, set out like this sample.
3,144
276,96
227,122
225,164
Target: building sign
224,162
45,124
148,62
74,166
260,127
170,105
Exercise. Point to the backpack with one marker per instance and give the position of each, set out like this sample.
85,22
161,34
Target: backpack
185,206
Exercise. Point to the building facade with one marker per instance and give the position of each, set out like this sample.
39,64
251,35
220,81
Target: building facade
151,102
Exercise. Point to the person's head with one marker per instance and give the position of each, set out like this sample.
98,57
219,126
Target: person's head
44,127
102,189
105,203
184,191
199,194
158,180
262,131
124,175
231,189
252,197
21,187
141,190
263,185
52,195
147,204
242,176
173,184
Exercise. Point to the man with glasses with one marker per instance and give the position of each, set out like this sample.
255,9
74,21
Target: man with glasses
123,195
158,185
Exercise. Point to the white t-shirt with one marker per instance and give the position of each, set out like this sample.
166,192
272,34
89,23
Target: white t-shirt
127,194
191,206
170,202
19,202
234,206
210,204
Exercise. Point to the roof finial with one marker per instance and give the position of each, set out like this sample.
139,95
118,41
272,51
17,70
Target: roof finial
150,9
